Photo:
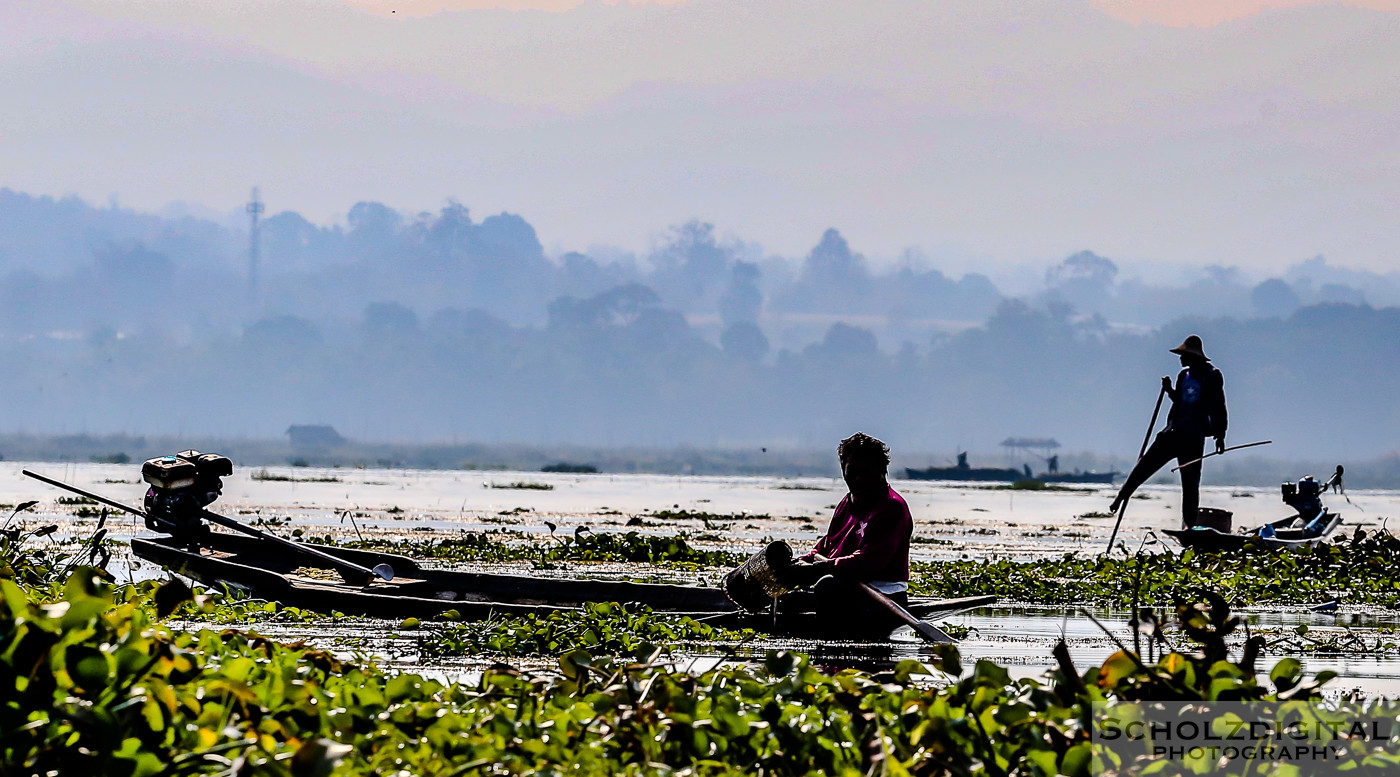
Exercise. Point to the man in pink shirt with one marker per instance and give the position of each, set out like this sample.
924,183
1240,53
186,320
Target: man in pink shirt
868,540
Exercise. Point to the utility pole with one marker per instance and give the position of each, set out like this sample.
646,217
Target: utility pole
255,209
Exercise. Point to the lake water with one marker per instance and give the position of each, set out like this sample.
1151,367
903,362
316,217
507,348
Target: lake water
954,519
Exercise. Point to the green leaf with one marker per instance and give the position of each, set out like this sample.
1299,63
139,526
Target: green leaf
170,596
1286,673
318,758
90,668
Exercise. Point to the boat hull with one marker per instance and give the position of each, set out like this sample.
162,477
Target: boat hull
1213,540
972,474
281,575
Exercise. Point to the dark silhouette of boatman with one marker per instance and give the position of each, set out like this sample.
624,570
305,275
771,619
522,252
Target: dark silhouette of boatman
1198,412
868,541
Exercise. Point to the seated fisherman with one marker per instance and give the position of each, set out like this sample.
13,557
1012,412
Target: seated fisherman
868,540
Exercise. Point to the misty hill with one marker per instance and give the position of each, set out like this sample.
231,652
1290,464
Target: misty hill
445,327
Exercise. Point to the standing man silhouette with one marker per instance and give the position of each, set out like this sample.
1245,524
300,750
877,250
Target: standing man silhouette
1198,412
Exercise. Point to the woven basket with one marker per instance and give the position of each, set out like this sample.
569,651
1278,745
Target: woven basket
755,583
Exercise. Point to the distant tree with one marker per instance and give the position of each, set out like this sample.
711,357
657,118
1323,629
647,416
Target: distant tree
743,340
831,263
373,222
658,330
1274,298
690,264
133,265
450,234
474,323
844,341
510,236
833,279
284,333
1083,267
582,275
1083,280
506,263
289,239
617,306
743,300
1340,293
389,321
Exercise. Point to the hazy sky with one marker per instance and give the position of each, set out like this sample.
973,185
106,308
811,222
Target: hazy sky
1255,133
1174,13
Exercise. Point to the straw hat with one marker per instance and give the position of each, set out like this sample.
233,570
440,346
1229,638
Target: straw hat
1191,346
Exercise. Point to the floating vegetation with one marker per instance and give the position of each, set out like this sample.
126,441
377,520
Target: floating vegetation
1303,639
108,689
271,477
522,485
1354,568
613,629
583,545
800,487
69,501
708,517
97,684
1031,484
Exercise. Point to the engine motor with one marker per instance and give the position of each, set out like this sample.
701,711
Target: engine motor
181,487
1305,496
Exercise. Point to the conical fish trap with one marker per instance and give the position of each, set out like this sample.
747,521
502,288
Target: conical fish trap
755,583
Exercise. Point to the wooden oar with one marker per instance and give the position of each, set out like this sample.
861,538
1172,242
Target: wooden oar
348,568
1217,453
923,628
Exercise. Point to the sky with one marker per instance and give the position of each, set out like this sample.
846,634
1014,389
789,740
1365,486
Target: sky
1000,132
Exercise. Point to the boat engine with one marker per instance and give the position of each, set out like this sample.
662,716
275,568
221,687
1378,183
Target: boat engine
1305,496
181,487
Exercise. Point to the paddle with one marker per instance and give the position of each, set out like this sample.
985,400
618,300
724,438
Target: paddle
1217,453
1123,508
346,568
923,628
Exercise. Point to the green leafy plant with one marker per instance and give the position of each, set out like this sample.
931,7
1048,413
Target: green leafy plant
614,629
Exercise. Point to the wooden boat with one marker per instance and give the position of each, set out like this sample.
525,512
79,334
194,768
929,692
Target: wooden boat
964,471
1285,538
280,574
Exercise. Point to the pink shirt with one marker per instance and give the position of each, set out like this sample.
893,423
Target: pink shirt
870,543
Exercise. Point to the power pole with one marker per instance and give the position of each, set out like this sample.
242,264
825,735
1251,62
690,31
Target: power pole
255,209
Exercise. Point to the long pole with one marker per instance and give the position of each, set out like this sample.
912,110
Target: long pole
1217,453
1123,508
383,571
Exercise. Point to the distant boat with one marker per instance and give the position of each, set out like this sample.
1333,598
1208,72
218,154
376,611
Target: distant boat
963,471
1052,474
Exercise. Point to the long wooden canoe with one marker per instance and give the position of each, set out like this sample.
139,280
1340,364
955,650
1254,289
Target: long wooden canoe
1207,539
296,580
